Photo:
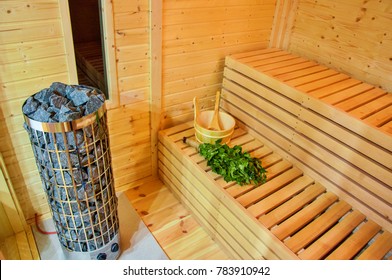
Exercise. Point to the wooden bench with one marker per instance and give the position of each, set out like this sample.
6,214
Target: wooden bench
326,142
89,60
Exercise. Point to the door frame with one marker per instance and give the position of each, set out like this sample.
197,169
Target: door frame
107,29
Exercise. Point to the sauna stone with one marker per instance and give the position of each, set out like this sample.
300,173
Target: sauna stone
30,106
63,103
80,96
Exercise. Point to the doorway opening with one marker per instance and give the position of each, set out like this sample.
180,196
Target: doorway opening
87,32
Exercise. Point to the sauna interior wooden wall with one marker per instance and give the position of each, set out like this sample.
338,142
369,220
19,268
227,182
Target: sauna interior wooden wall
165,53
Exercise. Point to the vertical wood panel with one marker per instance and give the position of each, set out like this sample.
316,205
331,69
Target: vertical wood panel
156,79
285,13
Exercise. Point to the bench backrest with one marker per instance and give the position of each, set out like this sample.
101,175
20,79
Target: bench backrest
277,96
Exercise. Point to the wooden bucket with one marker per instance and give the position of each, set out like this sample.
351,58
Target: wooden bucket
202,121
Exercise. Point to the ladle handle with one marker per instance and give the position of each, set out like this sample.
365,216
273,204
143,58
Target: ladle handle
196,109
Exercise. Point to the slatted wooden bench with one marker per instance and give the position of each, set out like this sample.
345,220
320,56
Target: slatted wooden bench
325,139
89,60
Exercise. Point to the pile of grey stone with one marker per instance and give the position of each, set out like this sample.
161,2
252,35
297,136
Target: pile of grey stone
63,103
75,166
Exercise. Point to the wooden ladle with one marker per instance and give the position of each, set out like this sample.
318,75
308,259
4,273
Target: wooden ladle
215,125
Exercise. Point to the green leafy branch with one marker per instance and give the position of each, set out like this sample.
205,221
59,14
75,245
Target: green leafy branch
233,164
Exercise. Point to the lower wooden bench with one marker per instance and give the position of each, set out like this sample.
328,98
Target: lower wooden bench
292,216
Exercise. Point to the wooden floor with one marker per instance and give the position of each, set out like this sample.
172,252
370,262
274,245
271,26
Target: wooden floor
175,229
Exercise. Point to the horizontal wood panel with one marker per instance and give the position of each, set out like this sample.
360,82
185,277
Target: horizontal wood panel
215,14
30,31
130,68
131,20
134,82
132,111
14,11
173,4
23,51
130,6
129,37
350,36
34,68
25,88
213,41
176,32
132,53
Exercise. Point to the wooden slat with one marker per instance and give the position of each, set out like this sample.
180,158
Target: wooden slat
333,237
317,227
372,107
380,118
333,88
351,246
299,71
360,100
324,82
379,248
279,64
279,197
291,206
245,55
345,94
265,63
304,216
268,188
304,80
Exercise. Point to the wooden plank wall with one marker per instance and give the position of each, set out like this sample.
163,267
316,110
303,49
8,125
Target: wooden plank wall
129,117
352,36
197,35
32,56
